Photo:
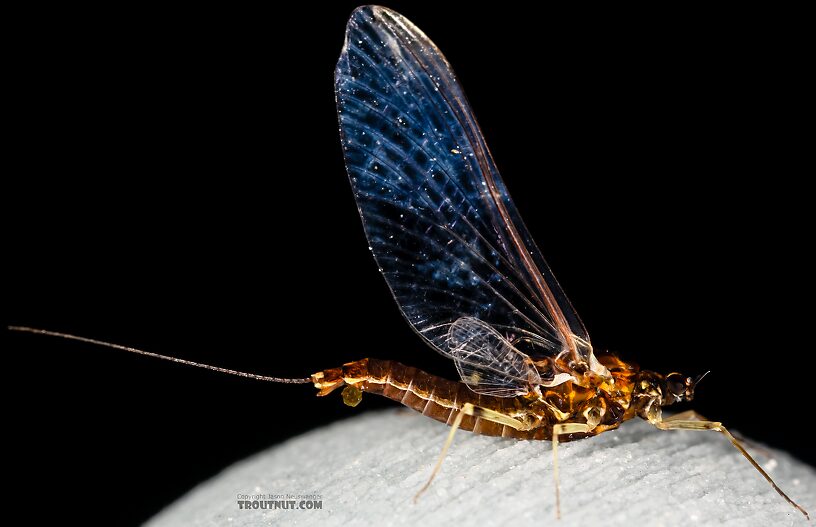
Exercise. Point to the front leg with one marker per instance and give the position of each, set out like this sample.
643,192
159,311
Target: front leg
691,420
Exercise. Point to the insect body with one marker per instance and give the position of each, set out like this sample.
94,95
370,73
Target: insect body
462,267
601,406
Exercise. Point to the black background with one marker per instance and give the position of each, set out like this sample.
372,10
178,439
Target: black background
175,183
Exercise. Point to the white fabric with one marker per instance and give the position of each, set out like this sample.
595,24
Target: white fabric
366,470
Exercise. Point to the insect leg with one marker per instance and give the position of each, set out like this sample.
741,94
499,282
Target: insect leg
688,415
680,422
692,415
558,430
475,411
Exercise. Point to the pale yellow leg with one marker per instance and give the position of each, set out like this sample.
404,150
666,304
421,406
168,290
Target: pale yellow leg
692,415
476,411
559,430
688,415
691,420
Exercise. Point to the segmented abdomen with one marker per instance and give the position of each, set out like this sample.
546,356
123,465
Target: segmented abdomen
428,394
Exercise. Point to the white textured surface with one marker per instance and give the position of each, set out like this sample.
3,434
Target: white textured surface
368,468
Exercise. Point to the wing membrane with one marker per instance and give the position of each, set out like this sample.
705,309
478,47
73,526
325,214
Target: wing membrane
437,215
487,362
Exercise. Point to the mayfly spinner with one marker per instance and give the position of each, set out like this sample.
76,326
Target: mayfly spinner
463,268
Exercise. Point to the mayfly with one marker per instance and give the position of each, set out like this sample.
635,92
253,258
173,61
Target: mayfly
463,268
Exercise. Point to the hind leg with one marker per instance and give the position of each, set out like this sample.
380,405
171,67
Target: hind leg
475,411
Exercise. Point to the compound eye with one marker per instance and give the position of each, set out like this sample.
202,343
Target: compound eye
676,384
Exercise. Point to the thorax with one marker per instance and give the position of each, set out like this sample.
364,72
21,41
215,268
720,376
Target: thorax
602,402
